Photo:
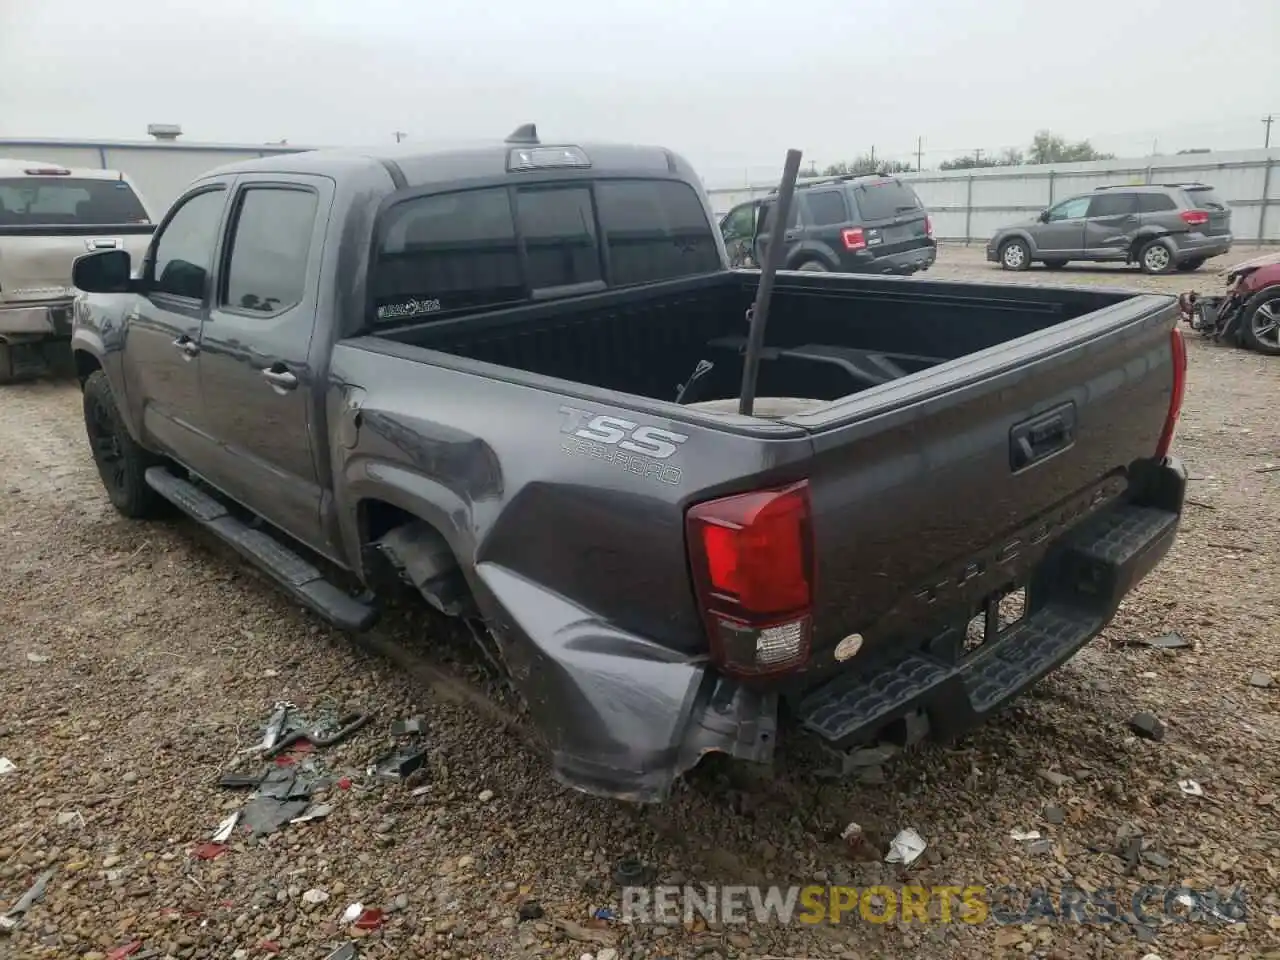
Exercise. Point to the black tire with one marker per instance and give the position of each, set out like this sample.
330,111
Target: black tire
1015,255
1056,264
1262,310
6,364
1156,258
1190,266
813,266
121,462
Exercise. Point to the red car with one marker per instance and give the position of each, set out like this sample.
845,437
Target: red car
1250,311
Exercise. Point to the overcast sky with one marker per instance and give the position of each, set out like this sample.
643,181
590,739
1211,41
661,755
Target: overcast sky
731,85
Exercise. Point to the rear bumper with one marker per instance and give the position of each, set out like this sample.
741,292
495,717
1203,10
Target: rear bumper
1192,246
1072,596
906,262
625,717
43,319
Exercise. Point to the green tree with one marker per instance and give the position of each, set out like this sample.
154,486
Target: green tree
1048,147
863,166
1009,157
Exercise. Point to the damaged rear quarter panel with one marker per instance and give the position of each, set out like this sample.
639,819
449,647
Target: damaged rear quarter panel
573,544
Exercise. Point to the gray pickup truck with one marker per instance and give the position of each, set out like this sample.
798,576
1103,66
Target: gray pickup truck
507,376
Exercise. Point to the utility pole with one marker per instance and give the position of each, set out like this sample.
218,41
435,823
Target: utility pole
873,158
1266,122
919,154
399,135
977,157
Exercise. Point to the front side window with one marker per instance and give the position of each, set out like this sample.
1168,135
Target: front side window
740,222
184,251
267,268
1072,209
447,253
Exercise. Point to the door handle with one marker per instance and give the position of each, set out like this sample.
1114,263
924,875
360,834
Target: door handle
188,346
280,379
1041,437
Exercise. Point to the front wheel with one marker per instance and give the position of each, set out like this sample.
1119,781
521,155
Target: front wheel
1261,328
1155,258
121,462
1015,255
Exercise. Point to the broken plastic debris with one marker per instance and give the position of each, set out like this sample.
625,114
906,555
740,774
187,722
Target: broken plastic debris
851,832
127,950
208,851
344,783
352,913
404,728
1191,788
419,791
37,658
345,952
223,833
398,764
315,895
905,848
7,766
317,812
1021,835
69,816
36,891
370,919
1170,641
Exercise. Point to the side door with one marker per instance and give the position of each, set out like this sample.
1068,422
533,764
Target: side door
1062,234
825,214
261,385
791,235
165,327
738,228
1111,224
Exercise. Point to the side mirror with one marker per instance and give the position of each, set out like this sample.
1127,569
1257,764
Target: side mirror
107,271
1044,216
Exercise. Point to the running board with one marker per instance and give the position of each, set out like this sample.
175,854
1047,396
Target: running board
297,576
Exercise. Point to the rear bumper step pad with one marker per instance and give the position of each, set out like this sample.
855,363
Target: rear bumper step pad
295,574
1081,584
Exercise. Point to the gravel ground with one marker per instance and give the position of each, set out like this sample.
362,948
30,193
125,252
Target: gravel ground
139,661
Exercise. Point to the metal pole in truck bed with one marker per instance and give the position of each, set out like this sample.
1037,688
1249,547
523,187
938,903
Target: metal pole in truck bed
759,313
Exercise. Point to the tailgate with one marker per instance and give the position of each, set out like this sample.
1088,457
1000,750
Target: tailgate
37,267
920,487
893,217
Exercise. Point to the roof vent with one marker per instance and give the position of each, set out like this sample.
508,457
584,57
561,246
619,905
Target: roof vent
525,133
164,131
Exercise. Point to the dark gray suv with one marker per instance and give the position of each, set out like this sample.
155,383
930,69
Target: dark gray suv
1161,227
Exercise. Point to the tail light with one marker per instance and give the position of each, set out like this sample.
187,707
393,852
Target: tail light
1179,347
854,239
1194,218
753,572
928,227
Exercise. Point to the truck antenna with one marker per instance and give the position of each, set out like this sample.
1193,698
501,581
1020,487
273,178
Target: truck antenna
758,313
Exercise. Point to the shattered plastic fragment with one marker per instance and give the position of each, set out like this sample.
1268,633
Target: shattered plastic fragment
317,812
404,728
1191,788
35,893
352,913
370,919
126,950
1021,835
345,952
208,851
7,766
905,848
37,658
223,833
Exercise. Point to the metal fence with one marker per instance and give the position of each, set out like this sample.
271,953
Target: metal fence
971,205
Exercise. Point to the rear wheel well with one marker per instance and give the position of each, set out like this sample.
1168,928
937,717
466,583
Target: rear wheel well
396,542
86,363
1135,248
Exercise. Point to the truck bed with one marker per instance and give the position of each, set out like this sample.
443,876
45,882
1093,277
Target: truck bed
828,337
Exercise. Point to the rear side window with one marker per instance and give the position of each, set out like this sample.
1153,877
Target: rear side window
267,265
559,233
826,208
1155,203
655,230
885,199
445,253
68,201
1109,203
1205,198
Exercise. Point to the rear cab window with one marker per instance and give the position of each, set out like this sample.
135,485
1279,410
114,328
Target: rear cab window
68,201
459,252
885,199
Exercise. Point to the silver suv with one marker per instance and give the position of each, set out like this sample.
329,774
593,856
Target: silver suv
1161,227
